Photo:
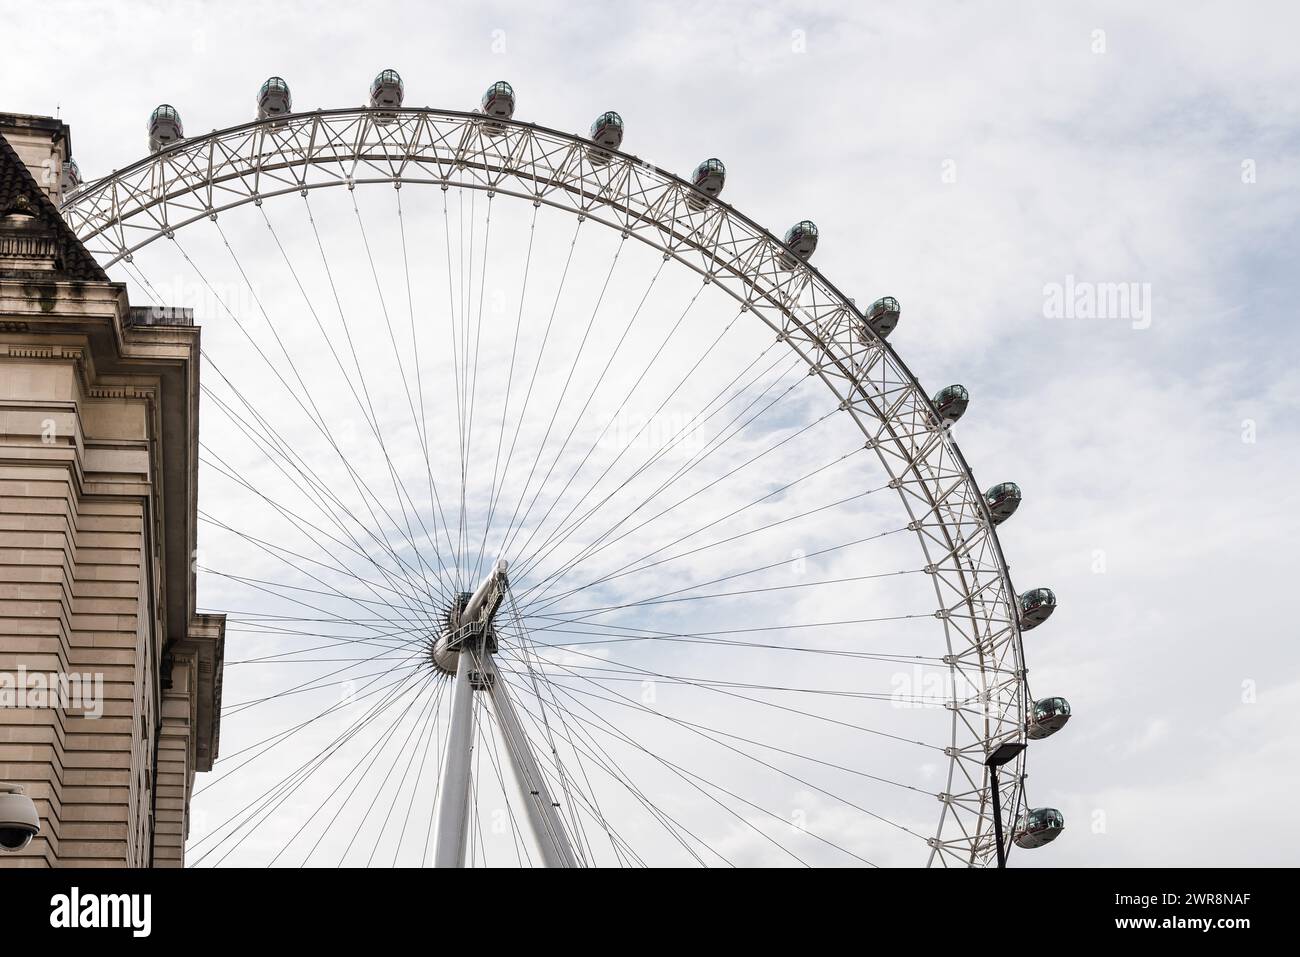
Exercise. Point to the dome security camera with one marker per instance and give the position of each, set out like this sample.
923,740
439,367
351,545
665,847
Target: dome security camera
19,822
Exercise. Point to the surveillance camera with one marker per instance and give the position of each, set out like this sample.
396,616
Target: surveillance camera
19,822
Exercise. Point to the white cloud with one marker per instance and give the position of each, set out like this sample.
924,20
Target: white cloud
1122,166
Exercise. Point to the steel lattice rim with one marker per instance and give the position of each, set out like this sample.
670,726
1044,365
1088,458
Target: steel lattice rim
201,177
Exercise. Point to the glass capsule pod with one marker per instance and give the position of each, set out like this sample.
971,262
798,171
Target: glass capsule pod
70,181
386,93
1036,606
1003,499
1039,826
881,318
1049,716
274,99
606,135
709,178
164,127
498,104
950,403
801,243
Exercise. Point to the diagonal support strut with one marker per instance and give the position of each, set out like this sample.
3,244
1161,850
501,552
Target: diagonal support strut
471,641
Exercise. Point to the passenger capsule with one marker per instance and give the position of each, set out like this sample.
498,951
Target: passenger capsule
498,103
387,91
1003,499
1036,606
274,99
709,178
801,240
1040,826
71,179
607,130
950,402
606,135
1048,717
882,316
164,127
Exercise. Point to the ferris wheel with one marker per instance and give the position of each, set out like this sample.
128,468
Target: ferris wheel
562,515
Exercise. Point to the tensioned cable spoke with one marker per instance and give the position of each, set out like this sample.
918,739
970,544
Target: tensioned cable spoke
635,557
707,736
383,640
476,829
452,318
434,701
399,487
270,589
435,502
660,598
269,440
529,652
406,388
287,556
628,568
463,401
409,595
681,435
278,795
489,744
599,757
505,402
561,527
394,638
635,566
279,737
235,708
313,414
606,541
372,755
581,614
549,735
509,535
770,704
694,780
591,394
397,756
275,588
473,373
610,635
274,795
614,418
708,733
271,437
601,674
419,774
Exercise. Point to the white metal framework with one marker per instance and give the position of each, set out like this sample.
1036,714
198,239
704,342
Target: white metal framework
201,178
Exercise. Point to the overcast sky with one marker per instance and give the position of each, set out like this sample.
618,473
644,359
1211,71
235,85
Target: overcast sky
970,160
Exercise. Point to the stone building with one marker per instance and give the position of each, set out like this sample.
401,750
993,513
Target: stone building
99,407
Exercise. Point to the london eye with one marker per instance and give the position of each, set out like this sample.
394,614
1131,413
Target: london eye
563,515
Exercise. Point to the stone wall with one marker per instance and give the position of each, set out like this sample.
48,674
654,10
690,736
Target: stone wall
85,589
110,683
75,572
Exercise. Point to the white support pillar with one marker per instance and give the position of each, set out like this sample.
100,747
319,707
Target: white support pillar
453,807
475,670
488,596
543,814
